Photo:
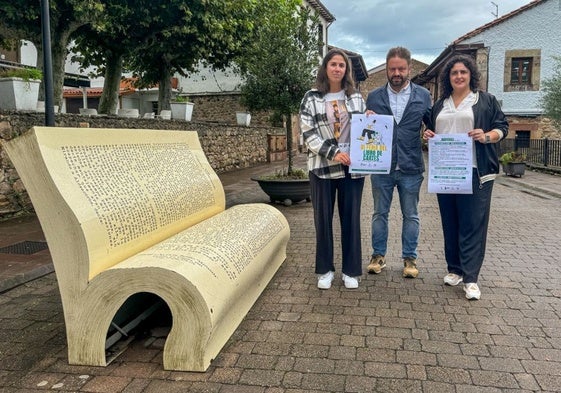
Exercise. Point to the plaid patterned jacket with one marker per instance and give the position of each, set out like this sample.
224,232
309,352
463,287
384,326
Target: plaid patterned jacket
318,134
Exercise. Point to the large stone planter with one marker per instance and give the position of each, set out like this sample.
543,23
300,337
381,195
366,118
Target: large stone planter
18,94
287,191
514,169
182,110
128,112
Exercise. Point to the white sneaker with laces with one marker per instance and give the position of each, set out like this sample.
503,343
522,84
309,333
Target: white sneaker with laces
350,282
325,280
452,279
472,291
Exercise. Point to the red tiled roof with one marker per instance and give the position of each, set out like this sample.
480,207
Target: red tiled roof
91,92
126,87
497,21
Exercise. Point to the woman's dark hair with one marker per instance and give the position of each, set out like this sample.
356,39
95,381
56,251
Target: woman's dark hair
469,62
347,84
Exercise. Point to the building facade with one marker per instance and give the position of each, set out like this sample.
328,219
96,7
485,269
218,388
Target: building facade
377,76
514,54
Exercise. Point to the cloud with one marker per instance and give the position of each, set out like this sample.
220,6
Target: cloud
426,27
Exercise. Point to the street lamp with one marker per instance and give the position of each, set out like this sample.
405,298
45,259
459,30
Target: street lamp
47,64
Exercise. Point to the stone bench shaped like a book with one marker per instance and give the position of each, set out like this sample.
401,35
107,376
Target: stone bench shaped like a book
133,211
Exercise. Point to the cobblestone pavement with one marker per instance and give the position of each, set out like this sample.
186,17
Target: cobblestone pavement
390,335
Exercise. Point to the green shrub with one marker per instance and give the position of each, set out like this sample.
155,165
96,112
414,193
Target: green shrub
180,99
512,156
282,174
26,74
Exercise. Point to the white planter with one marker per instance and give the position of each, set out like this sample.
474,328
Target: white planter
182,110
88,111
18,94
41,107
165,114
128,112
243,118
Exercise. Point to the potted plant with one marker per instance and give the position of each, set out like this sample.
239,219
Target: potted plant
278,69
286,188
181,108
19,88
514,163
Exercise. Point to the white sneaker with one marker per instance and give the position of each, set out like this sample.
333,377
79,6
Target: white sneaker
325,280
350,282
452,279
472,291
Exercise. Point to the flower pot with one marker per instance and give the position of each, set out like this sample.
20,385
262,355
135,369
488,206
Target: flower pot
88,111
19,94
41,107
287,191
243,118
128,112
514,168
182,110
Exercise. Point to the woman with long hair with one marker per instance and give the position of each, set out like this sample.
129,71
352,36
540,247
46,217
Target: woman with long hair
325,115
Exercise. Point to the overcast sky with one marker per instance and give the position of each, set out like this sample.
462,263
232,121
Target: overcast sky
426,27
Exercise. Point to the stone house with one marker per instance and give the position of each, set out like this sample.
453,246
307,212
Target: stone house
514,54
377,76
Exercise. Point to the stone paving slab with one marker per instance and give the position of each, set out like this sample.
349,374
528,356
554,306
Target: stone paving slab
390,335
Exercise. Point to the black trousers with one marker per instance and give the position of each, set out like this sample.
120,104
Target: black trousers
348,193
465,219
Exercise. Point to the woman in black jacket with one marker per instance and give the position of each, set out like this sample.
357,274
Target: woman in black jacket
465,217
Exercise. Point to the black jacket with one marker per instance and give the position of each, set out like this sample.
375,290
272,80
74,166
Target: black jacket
487,115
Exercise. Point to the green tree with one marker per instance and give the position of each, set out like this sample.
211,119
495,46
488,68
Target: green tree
103,48
184,34
551,99
278,67
22,20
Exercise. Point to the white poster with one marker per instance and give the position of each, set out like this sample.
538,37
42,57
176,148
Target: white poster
371,144
450,164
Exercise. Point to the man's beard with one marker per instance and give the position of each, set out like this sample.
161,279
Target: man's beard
398,82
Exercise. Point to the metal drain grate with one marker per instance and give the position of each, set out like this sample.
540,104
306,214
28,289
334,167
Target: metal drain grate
24,248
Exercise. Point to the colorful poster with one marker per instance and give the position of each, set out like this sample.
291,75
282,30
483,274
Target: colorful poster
450,164
371,144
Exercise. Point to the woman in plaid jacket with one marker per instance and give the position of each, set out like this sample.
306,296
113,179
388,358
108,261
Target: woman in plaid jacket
325,115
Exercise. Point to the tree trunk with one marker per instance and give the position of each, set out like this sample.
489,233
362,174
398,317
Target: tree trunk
59,50
164,89
41,66
288,121
109,101
58,61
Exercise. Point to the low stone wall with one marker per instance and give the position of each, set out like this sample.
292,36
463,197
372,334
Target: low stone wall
227,146
223,108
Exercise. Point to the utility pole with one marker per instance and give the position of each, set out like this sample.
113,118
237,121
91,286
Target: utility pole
47,64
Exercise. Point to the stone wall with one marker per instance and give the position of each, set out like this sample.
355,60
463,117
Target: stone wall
226,145
379,78
539,127
223,108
